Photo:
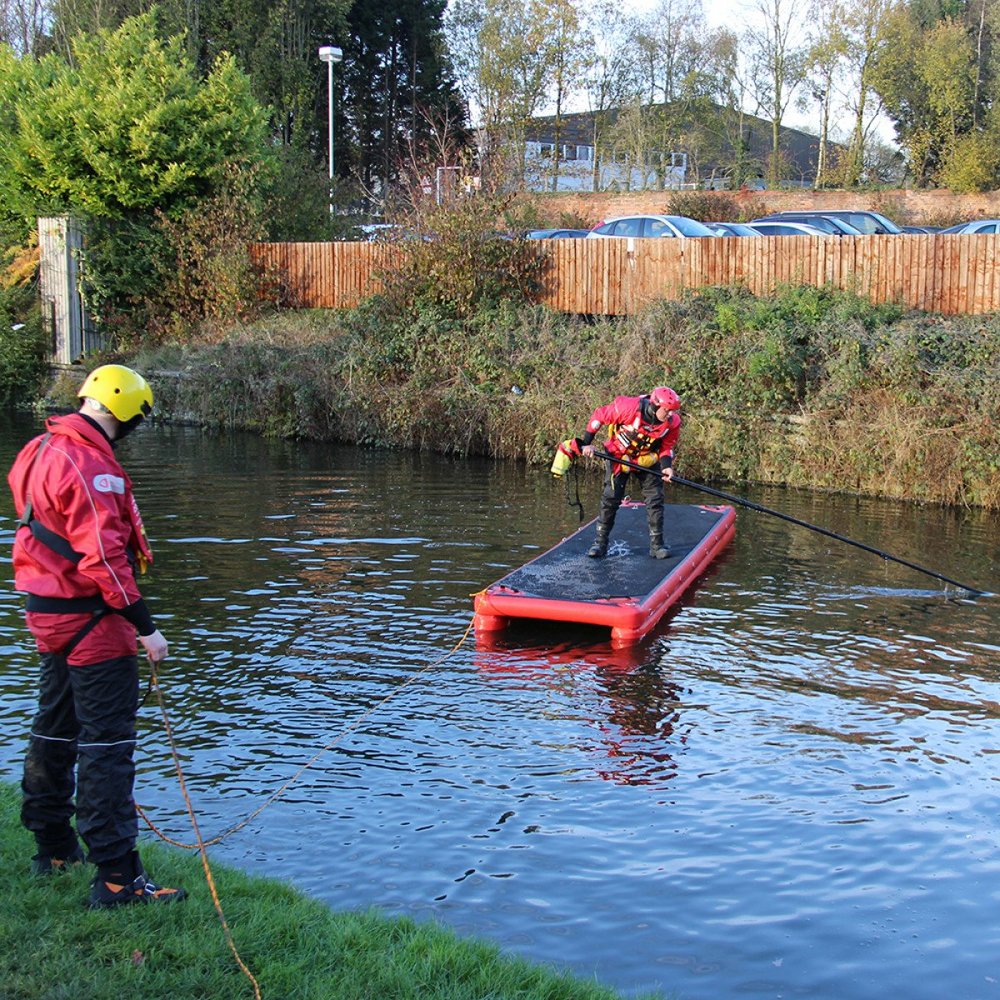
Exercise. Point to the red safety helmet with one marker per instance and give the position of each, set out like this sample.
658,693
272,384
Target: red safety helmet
665,396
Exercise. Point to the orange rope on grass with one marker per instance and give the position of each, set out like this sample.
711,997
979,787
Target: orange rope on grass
201,844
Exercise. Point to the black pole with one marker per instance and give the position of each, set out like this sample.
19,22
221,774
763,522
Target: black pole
794,520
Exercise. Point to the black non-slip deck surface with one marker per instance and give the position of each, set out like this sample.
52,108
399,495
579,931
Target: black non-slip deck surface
566,573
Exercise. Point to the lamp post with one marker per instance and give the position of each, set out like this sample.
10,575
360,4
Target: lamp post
330,55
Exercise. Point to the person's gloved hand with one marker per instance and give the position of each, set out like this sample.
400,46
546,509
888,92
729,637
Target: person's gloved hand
155,646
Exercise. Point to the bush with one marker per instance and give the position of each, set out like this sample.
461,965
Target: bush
23,367
705,206
460,263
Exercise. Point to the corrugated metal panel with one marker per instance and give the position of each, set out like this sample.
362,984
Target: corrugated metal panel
72,330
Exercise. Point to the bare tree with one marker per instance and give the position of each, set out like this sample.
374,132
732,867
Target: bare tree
777,65
825,58
670,43
611,77
569,47
23,24
864,27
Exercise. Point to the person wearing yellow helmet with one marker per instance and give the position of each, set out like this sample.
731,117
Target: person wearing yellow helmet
78,550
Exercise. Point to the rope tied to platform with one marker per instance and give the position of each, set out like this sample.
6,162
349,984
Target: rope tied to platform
201,845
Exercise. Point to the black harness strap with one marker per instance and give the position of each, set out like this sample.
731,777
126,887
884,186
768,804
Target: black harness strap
95,617
46,536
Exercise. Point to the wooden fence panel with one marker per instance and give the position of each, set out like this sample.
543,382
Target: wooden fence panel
936,273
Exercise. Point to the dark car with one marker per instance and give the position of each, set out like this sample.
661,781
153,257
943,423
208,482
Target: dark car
829,225
867,223
556,234
780,227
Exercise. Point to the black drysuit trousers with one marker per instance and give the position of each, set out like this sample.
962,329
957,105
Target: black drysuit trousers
82,742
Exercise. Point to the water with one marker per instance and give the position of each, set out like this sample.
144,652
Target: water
788,790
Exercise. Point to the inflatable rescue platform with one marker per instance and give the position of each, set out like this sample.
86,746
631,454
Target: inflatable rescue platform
627,590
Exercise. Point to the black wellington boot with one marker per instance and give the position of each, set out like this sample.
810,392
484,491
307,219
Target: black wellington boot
600,547
657,549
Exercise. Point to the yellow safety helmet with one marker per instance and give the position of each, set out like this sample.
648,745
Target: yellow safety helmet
124,392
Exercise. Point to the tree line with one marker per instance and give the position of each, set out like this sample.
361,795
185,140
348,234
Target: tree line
180,132
417,73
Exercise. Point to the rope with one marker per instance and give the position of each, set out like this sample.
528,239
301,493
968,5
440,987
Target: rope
309,763
201,843
577,503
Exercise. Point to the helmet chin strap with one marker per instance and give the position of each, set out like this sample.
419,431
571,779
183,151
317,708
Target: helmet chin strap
125,427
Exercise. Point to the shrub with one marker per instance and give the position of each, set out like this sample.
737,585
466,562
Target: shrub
23,367
461,263
705,206
205,275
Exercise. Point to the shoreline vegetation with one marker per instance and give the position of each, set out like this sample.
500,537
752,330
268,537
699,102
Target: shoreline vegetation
296,948
812,388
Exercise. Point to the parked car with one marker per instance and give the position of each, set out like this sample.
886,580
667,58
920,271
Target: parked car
864,221
921,229
782,228
732,229
978,226
829,225
555,234
650,226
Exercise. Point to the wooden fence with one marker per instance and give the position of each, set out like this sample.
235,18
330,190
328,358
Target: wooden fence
948,274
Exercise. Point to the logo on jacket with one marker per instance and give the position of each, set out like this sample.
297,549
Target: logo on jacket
106,483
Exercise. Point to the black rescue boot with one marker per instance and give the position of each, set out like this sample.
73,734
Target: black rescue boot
124,882
654,518
600,547
61,861
657,548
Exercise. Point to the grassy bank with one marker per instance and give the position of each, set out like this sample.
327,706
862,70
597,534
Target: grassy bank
812,388
296,948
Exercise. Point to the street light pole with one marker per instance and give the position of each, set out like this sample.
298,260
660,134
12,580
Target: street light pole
330,55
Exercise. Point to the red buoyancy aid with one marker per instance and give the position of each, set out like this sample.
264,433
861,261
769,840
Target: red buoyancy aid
629,435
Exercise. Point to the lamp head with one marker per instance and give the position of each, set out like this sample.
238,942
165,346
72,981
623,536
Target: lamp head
330,54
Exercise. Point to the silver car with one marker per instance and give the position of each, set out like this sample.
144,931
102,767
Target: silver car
978,226
650,227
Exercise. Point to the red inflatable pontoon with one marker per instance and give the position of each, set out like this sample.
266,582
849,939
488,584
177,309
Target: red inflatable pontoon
627,590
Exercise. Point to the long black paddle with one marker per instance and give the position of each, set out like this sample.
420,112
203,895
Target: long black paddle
794,520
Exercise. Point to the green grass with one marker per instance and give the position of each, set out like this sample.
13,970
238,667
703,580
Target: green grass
297,948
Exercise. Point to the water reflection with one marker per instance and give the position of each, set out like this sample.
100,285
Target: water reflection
633,708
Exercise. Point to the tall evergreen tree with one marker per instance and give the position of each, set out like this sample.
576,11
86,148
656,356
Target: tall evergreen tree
395,80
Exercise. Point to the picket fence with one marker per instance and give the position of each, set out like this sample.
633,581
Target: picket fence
947,274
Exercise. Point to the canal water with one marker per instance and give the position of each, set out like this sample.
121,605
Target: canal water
790,789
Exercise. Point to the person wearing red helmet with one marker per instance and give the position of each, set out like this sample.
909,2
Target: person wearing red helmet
78,549
642,430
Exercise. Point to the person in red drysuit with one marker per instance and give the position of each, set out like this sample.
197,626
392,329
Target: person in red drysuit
78,549
642,430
